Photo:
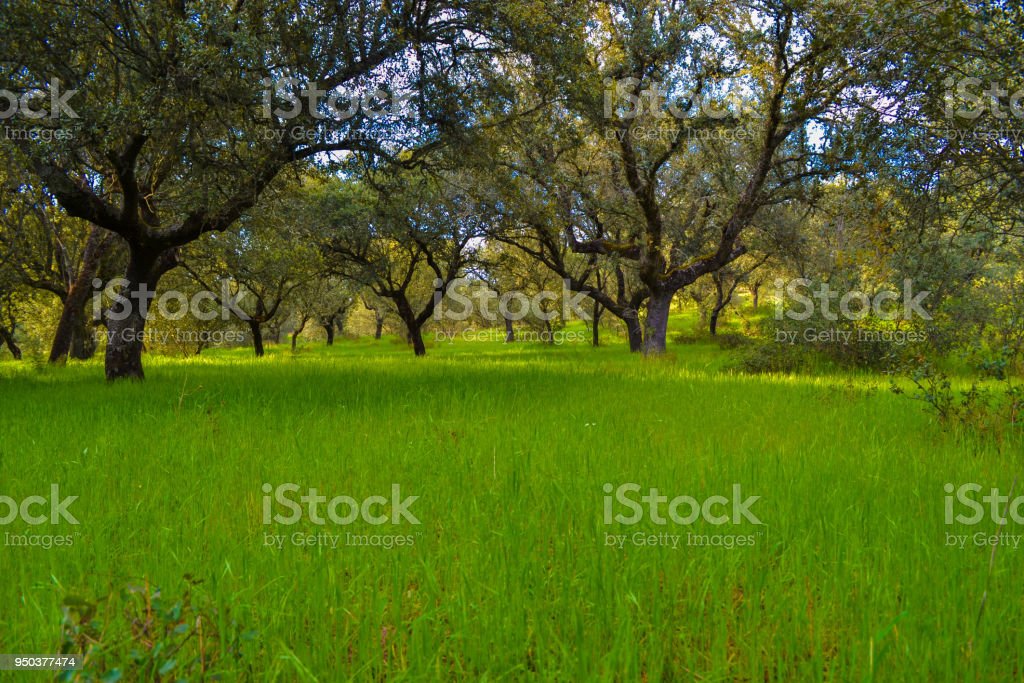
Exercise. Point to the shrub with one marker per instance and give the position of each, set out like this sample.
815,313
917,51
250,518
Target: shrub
771,357
991,410
161,638
732,341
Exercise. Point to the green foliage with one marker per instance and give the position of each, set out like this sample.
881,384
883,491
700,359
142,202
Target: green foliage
992,409
768,357
138,633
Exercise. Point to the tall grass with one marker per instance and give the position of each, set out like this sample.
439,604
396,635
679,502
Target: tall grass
509,576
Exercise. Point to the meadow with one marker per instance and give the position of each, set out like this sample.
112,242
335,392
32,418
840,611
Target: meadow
512,572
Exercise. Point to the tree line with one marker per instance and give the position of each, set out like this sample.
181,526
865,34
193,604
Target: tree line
313,155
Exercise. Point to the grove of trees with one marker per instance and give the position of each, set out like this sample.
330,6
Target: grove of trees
312,159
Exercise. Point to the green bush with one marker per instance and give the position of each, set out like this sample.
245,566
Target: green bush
161,638
771,357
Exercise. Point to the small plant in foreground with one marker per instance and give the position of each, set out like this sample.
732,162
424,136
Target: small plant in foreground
992,410
160,638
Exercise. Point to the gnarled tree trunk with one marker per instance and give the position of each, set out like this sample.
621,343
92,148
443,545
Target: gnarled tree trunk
72,336
126,320
656,323
413,327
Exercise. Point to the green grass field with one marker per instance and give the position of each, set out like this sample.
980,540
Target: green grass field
509,575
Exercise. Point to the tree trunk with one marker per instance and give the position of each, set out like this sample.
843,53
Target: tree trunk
595,332
656,323
296,332
717,309
634,332
510,334
713,321
125,342
257,337
73,337
126,320
72,334
329,329
413,328
7,337
65,332
417,341
83,341
413,332
755,291
380,326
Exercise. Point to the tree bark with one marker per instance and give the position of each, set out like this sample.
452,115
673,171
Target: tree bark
656,323
634,332
329,329
296,332
595,339
83,341
72,334
127,324
379,320
418,346
70,316
7,337
256,329
720,303
414,330
125,342
713,321
510,333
